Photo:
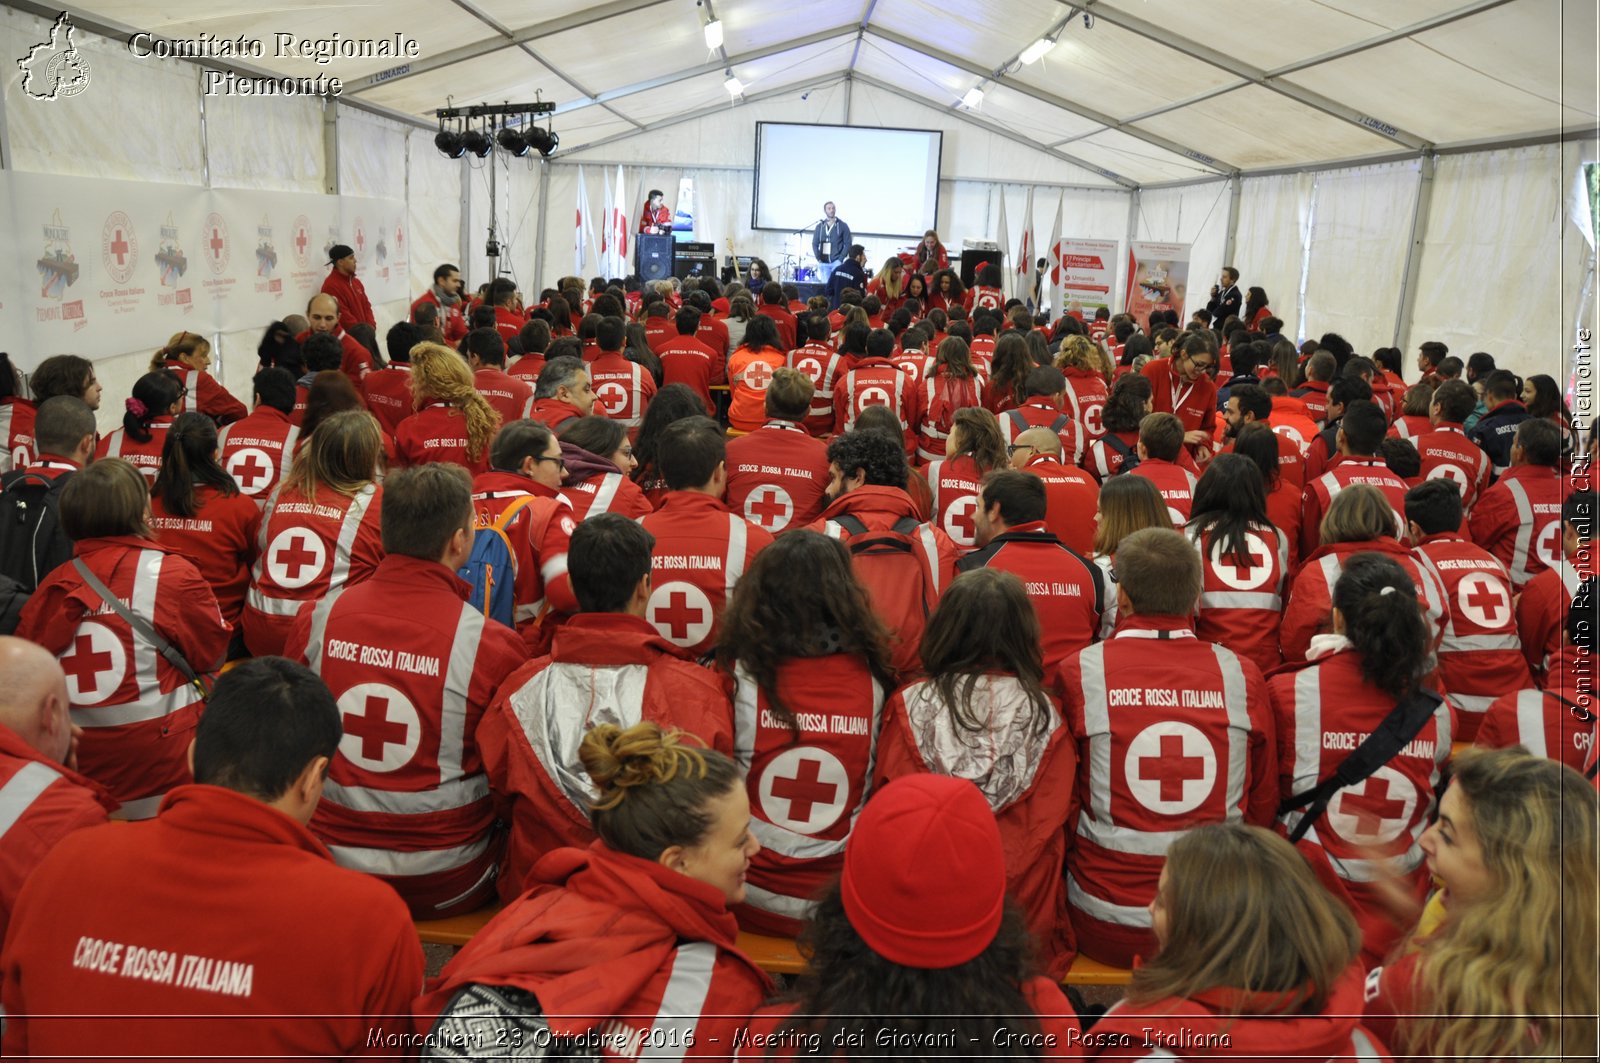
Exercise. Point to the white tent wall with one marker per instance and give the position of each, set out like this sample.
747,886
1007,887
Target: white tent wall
1270,248
1361,225
1193,214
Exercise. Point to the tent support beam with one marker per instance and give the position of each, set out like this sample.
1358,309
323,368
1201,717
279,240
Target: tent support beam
849,95
1235,190
1419,233
1042,96
1476,8
1002,131
544,220
464,235
330,146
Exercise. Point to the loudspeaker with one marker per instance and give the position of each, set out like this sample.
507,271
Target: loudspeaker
972,260
654,258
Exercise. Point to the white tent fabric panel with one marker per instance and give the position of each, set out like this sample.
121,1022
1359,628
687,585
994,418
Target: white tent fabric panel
724,138
1274,227
370,150
1500,257
266,143
637,47
943,85
751,24
1360,229
144,127
588,126
433,211
987,34
1257,127
692,95
1195,215
1139,159
1033,118
507,74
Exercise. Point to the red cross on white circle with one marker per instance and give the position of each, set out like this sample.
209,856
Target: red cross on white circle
1170,767
1091,419
1250,576
95,662
381,727
252,468
1450,472
758,375
21,456
681,612
769,506
295,558
1283,431
1548,545
872,397
1484,600
812,369
1375,810
961,520
804,790
613,398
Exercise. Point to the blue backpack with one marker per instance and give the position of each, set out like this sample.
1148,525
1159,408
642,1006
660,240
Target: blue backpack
492,566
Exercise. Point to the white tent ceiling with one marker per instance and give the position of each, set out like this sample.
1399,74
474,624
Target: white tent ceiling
1137,92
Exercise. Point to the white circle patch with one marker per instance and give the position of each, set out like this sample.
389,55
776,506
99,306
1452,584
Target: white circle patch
681,612
295,558
1170,767
1375,810
381,727
252,468
1484,600
804,790
95,662
960,521
1242,578
769,506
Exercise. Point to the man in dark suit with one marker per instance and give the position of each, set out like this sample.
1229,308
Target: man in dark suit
1226,298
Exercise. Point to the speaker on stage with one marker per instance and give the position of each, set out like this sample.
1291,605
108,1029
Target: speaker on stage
973,260
654,261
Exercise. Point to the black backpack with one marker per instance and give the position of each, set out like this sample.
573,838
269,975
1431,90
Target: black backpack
1130,455
32,542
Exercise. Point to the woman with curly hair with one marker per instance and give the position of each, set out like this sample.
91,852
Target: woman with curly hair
1502,965
157,398
634,927
974,448
946,290
453,422
807,667
983,714
188,356
1086,367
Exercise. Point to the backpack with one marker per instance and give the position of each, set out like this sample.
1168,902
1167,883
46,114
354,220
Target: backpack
32,543
1130,456
492,566
900,580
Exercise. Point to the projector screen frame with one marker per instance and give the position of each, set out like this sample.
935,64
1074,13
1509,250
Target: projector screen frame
755,184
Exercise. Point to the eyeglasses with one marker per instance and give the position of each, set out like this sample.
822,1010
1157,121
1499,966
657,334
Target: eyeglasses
1014,447
560,462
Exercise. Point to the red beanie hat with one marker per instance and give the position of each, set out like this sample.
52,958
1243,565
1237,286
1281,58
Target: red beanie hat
924,879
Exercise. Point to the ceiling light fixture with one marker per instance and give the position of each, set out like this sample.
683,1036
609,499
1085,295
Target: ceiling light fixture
713,30
734,86
973,98
1036,51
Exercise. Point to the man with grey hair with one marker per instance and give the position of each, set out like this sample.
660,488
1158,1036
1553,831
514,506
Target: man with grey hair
562,393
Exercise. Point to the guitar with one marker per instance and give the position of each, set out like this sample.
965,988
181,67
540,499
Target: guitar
734,258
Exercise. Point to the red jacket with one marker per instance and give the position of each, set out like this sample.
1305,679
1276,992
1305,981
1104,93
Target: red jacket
1324,710
202,951
1480,658
16,429
1542,609
1546,722
41,802
1042,413
602,668
701,552
1063,586
1241,606
595,485
413,667
658,332
1518,520
1194,404
956,483
137,711
1411,426
978,296
1185,731
935,400
879,509
749,376
539,533
451,321
1311,593
203,394
786,322
220,540
821,365
1175,483
1071,499
1313,395
307,548
622,389
388,395
873,382
616,946
777,476
1233,1024
1320,492
1086,400
1026,772
351,295
1446,451
512,398
356,362
437,432
145,456
528,367
554,412
508,322
258,450
685,360
807,782
714,334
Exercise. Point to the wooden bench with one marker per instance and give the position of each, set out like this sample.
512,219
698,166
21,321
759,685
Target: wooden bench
772,954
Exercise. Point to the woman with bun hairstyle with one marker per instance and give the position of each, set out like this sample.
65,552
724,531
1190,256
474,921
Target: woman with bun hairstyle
1502,965
1257,960
188,356
453,422
627,946
806,664
157,398
1377,655
983,714
916,939
198,511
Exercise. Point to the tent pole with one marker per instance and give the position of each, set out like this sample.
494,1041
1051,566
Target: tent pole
464,234
849,97
1236,189
330,145
1419,232
1133,234
544,222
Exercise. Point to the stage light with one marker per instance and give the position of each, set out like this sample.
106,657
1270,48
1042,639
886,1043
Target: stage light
512,142
477,141
973,97
734,86
713,34
449,142
1036,51
543,140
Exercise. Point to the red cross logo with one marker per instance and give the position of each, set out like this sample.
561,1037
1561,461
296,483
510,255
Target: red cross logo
872,397
95,664
960,520
804,789
217,244
119,247
758,375
1171,767
1449,472
1091,419
1375,810
613,398
1247,573
682,613
300,242
1484,600
252,469
295,558
1284,431
1548,546
381,727
812,369
769,506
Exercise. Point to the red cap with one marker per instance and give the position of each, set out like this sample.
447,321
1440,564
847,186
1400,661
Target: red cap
924,879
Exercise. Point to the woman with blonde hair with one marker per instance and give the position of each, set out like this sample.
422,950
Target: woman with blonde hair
1503,964
889,285
1126,504
636,926
188,355
1256,960
974,448
453,422
319,531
